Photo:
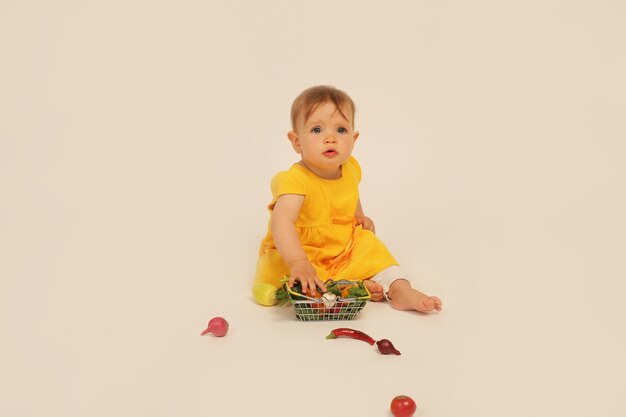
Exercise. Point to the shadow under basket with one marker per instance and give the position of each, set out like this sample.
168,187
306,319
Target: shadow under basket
314,309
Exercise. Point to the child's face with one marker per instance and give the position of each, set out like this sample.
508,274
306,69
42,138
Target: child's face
325,141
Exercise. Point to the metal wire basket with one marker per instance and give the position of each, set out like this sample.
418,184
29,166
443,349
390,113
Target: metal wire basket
322,309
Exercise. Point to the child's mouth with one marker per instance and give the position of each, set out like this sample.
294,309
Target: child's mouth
330,153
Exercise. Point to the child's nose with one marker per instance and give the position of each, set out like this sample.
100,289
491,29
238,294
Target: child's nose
330,139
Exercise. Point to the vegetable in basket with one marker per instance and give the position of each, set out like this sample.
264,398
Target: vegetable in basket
342,290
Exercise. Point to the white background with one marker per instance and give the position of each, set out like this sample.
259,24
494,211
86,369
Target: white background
137,141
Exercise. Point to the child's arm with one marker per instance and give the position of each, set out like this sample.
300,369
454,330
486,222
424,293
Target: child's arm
362,219
283,227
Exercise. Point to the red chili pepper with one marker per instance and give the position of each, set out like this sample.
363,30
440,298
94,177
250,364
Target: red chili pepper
354,334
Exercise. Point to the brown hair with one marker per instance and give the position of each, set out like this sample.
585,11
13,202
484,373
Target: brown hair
312,97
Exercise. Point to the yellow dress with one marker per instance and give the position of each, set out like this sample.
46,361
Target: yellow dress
334,244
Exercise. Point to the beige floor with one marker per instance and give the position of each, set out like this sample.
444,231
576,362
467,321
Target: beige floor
137,141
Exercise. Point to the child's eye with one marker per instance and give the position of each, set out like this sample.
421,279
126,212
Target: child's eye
342,130
316,130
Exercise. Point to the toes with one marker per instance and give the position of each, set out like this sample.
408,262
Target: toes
429,304
373,286
377,296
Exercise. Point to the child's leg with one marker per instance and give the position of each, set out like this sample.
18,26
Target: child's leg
397,289
378,285
405,297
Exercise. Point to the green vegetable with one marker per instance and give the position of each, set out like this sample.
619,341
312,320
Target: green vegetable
349,289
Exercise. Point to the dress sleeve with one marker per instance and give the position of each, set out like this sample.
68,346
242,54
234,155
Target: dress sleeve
286,182
356,167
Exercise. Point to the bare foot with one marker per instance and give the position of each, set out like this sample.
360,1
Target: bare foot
375,289
404,297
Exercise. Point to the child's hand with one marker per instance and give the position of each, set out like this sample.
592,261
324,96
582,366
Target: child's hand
304,272
366,223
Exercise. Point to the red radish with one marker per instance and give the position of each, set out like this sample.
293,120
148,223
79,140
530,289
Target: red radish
218,326
386,347
403,406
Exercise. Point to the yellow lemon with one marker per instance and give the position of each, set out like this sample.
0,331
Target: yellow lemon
264,293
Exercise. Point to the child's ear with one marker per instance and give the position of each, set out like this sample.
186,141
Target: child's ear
295,142
355,135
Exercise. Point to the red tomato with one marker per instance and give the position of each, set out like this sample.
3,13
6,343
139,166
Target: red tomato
318,307
403,406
